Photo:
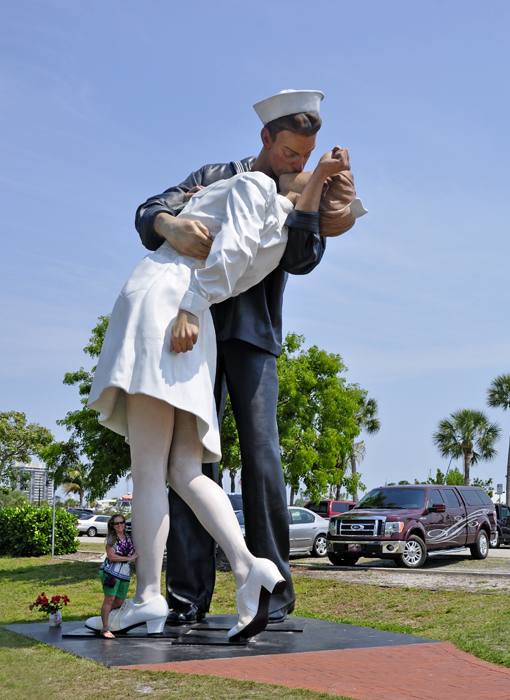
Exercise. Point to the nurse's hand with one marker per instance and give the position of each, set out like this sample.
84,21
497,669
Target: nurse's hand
184,333
188,237
335,161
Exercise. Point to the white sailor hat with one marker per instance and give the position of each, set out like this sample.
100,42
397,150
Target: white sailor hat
288,102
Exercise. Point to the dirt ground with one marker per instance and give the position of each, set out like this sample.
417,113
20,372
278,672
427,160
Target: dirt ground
449,573
439,573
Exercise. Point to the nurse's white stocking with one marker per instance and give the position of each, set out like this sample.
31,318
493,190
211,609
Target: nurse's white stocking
150,424
206,499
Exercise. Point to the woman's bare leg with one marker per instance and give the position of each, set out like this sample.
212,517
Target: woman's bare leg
206,499
150,423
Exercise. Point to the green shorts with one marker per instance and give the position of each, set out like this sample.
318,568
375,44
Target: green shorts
120,589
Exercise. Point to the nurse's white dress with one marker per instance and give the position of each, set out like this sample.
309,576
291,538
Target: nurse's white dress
246,218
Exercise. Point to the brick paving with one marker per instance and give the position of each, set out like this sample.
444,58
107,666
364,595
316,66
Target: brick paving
435,671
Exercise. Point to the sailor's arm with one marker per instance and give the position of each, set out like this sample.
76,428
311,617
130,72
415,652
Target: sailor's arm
156,220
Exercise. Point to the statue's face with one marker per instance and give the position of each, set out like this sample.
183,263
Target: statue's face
289,152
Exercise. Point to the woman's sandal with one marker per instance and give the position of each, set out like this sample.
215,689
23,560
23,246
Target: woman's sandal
106,634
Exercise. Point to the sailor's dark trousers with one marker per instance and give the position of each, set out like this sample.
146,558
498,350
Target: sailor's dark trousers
248,374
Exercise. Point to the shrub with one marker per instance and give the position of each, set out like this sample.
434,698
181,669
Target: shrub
26,531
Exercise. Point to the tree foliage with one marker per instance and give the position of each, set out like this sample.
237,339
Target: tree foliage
94,452
76,481
12,499
230,449
367,420
453,477
19,441
316,417
467,434
317,414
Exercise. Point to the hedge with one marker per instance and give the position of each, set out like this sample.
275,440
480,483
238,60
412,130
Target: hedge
25,531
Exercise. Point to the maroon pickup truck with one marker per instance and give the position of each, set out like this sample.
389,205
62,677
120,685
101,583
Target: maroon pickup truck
409,523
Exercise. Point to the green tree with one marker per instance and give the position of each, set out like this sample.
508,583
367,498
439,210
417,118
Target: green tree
487,485
467,434
102,453
230,449
498,396
19,441
75,481
366,418
316,417
12,499
454,477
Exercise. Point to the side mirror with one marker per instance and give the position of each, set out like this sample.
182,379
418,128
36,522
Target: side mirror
437,508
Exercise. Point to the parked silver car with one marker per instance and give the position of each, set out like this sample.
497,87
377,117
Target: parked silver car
308,532
93,525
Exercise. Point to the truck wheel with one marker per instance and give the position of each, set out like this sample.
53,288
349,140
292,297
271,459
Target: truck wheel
495,542
414,554
480,548
320,546
342,559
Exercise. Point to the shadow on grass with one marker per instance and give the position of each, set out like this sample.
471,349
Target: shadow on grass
12,640
59,574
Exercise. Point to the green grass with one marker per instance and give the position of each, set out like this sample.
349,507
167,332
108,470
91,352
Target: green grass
478,623
91,547
29,669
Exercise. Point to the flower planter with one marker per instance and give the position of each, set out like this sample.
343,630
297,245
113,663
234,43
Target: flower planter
56,619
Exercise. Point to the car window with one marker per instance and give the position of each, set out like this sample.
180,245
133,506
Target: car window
393,498
84,517
102,518
451,498
486,499
340,507
505,512
434,497
472,498
318,507
301,516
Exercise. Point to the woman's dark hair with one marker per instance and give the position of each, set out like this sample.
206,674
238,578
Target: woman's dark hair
302,123
111,529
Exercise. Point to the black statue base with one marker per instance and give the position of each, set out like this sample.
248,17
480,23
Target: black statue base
208,640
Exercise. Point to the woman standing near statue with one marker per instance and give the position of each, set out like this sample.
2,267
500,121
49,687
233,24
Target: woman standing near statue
115,571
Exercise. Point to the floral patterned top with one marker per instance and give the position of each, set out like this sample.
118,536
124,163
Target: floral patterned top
119,569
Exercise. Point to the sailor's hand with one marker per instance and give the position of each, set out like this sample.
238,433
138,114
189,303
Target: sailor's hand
335,161
184,333
188,237
192,191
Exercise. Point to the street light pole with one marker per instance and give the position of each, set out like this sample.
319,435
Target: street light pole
53,522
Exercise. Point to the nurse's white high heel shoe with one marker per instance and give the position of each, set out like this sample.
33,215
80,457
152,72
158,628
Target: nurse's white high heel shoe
252,599
153,613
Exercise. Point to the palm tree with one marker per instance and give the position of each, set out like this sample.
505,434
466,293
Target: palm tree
468,434
74,481
498,396
366,418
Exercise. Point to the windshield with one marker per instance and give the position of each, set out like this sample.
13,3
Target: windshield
393,498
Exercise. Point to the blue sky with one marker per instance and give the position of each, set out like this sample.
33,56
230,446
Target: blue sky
104,104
